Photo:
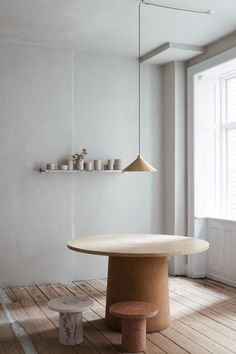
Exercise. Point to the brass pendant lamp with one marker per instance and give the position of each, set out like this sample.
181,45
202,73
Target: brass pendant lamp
139,164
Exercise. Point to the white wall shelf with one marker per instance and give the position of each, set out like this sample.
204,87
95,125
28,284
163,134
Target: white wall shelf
42,170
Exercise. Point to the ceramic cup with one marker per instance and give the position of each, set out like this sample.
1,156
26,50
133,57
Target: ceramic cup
70,163
80,165
64,167
88,165
98,165
51,166
118,164
110,164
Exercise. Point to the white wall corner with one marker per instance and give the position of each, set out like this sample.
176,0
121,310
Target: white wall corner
197,263
175,156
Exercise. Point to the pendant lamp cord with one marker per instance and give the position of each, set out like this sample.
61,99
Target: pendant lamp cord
209,12
139,77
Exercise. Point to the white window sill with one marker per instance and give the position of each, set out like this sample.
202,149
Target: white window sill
231,218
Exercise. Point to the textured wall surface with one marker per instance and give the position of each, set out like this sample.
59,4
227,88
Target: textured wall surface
53,102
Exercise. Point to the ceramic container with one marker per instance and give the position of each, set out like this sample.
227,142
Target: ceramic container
118,164
98,165
80,165
70,163
110,164
88,165
64,167
51,166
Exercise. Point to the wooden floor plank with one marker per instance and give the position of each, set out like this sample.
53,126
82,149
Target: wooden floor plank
205,284
97,307
99,285
152,348
209,293
203,319
41,299
223,344
34,332
221,285
9,343
200,294
208,337
209,342
104,281
92,318
100,310
96,338
46,327
91,291
96,318
166,344
198,308
183,341
198,337
201,301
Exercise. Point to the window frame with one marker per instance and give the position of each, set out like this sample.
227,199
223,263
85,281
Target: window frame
225,127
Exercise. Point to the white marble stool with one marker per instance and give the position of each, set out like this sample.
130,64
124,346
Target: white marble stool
70,318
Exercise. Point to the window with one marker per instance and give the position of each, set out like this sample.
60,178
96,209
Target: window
215,144
228,142
231,99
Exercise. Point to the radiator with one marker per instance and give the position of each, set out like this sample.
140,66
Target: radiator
221,262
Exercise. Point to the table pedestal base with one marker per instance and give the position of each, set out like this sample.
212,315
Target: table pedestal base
139,279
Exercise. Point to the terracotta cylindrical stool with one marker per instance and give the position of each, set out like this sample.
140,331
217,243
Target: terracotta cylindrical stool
133,334
133,316
139,279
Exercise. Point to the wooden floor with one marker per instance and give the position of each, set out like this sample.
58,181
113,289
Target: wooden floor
203,320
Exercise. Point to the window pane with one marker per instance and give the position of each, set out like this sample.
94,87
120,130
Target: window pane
231,99
231,147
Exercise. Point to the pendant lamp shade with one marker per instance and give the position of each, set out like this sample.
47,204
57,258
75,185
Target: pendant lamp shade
139,164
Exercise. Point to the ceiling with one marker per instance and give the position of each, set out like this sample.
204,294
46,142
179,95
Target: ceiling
110,26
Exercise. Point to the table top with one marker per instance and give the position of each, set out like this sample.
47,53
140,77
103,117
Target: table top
138,245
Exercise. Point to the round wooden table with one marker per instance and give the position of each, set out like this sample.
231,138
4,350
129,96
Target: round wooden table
138,269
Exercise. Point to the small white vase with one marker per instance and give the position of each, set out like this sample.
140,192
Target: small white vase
64,167
70,163
80,165
110,164
51,166
97,165
88,165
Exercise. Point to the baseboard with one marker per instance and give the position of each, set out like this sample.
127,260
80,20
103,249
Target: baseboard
221,279
197,275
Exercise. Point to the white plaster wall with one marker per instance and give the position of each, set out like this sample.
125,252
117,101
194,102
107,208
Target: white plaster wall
105,111
180,152
169,147
174,148
51,103
175,156
35,126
